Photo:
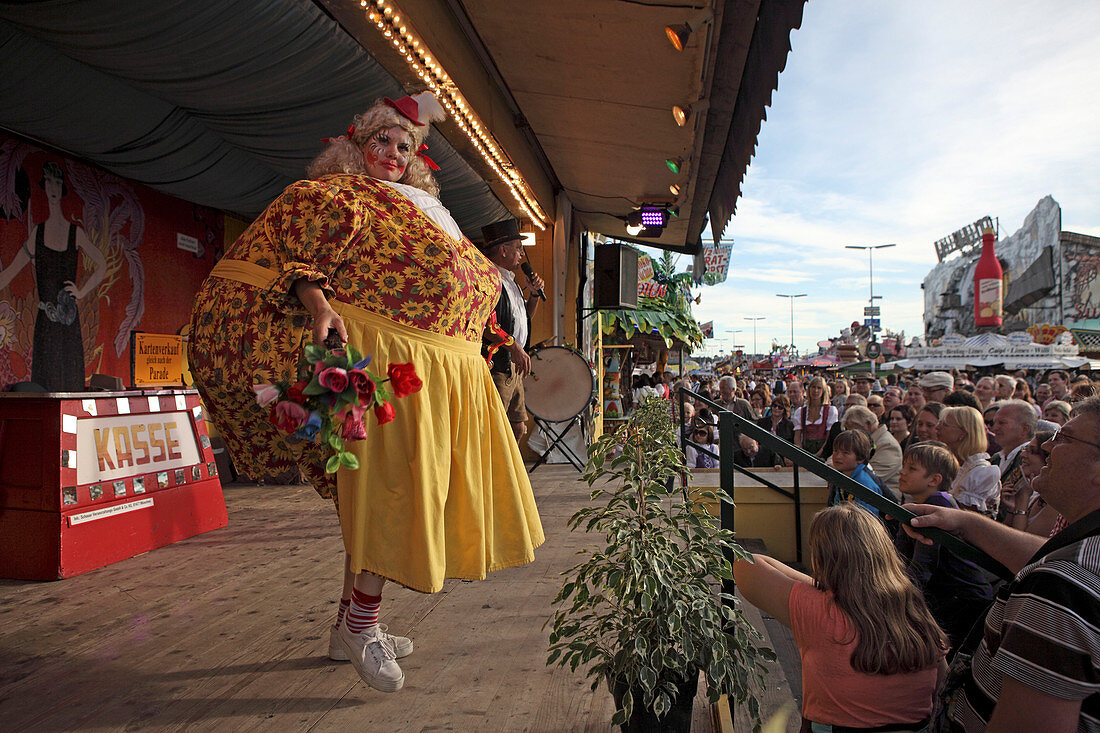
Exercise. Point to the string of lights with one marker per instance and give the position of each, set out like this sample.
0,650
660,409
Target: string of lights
384,15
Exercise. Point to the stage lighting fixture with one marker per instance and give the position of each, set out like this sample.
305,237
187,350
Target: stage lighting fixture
679,33
654,216
674,164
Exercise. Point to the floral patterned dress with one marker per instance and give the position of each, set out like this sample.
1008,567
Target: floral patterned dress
442,491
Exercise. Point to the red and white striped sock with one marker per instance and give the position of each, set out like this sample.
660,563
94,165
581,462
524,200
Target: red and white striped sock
363,612
344,603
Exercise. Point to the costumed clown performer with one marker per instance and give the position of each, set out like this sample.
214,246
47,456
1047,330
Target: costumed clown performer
364,248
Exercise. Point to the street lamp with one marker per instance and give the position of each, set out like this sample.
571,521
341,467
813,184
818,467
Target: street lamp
792,297
871,280
754,319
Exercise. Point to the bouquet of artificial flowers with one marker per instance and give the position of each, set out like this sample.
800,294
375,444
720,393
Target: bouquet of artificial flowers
330,406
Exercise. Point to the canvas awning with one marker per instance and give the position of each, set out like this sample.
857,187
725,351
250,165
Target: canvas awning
223,104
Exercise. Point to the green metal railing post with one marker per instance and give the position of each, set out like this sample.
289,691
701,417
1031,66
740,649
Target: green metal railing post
727,478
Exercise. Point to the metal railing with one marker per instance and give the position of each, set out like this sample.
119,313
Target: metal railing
730,424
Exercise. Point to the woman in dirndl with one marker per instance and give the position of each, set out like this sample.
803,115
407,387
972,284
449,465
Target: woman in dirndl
364,248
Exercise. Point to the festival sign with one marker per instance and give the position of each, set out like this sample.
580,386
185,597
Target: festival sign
716,259
1015,351
156,360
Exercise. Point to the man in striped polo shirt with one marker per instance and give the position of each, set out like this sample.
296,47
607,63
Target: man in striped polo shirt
1037,666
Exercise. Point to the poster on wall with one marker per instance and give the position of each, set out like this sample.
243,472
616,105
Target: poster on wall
87,257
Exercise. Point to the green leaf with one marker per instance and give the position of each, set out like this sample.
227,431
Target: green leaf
349,460
314,388
332,464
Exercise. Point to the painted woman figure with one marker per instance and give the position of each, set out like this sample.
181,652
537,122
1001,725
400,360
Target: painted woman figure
57,363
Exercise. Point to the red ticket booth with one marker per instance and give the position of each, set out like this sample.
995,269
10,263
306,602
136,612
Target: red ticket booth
88,479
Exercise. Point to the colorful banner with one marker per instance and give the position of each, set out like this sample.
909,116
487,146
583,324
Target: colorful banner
707,329
645,268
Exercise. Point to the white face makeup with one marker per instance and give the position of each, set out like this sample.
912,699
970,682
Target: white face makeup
387,153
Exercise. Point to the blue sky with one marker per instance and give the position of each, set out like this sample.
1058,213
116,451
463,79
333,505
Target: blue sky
902,122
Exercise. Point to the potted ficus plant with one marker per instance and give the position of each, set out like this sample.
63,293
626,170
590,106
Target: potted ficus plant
643,612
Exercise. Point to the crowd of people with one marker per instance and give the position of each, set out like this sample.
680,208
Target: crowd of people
1011,464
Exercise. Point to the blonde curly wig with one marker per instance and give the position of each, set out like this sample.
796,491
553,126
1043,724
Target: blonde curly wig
344,155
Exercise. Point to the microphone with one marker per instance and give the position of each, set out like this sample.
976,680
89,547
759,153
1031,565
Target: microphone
530,273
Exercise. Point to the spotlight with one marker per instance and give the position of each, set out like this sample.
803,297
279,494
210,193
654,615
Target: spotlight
680,114
674,164
674,189
633,229
679,33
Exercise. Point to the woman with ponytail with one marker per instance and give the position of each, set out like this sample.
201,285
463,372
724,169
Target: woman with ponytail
871,651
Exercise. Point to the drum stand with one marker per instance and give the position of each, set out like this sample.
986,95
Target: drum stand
545,426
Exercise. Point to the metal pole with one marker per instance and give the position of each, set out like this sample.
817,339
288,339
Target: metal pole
792,297
754,319
871,282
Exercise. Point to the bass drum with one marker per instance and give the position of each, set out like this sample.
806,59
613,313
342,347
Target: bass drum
560,384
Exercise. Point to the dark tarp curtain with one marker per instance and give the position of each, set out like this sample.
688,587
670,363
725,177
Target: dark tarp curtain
220,103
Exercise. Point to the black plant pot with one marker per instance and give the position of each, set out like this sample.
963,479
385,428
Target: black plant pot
676,720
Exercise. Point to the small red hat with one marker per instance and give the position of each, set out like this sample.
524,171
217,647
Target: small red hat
407,106
420,109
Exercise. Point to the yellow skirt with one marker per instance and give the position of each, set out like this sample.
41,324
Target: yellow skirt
441,491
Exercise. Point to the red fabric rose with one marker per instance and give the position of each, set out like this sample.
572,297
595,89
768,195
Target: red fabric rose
295,392
403,379
353,428
265,394
289,416
363,384
384,413
334,379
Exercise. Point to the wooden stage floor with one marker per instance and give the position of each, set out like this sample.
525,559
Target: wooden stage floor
229,631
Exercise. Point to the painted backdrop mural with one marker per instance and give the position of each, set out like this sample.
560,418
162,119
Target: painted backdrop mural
85,258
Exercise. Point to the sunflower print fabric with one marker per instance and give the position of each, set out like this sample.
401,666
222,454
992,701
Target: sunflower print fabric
363,243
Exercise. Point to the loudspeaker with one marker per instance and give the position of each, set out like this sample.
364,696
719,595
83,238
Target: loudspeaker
616,283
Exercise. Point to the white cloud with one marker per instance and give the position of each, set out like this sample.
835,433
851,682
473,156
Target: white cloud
901,122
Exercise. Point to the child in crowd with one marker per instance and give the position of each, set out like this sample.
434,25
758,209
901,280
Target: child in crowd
956,590
851,451
871,652
704,434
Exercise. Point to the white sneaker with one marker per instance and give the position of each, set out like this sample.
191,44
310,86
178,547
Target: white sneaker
374,658
402,645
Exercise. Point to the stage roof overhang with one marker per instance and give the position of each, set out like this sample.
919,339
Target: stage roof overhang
223,104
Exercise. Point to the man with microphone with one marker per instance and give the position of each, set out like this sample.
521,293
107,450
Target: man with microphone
503,246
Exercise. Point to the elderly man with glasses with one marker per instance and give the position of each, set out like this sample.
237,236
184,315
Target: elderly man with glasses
1035,667
935,386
